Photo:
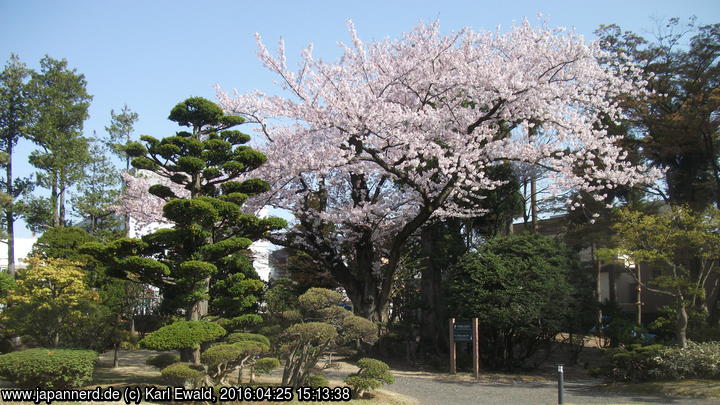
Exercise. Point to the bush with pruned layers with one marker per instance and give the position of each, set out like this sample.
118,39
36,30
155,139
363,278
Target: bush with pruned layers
372,375
186,336
319,325
224,358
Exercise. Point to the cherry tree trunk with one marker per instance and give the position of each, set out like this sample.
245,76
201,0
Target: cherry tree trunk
368,301
365,286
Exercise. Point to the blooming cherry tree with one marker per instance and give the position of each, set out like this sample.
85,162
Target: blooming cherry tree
365,150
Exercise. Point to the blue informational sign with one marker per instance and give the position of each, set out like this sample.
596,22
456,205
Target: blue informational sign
462,332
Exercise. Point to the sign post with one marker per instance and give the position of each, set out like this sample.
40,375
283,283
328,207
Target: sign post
465,332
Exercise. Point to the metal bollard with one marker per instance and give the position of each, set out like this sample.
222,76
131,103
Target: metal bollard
561,384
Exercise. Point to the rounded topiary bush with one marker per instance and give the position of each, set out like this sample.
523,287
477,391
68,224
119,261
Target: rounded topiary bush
372,375
266,365
316,299
48,368
162,360
241,323
315,381
182,335
251,337
357,327
182,375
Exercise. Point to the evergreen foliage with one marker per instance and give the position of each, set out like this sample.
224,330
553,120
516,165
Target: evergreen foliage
371,375
266,365
120,133
210,229
240,323
676,127
15,117
250,337
656,362
519,287
62,243
182,335
60,103
318,325
48,368
97,193
182,375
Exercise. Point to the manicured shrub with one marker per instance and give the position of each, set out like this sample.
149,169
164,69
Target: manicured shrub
372,375
316,299
241,323
697,360
642,363
227,355
224,358
182,374
357,327
244,336
634,362
182,335
48,368
317,381
266,365
163,360
520,287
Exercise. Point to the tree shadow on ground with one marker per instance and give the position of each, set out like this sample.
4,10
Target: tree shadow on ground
132,369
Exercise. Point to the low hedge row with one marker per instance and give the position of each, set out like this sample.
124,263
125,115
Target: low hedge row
655,362
48,368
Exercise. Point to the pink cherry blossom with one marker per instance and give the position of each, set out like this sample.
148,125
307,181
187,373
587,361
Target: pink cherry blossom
144,208
366,149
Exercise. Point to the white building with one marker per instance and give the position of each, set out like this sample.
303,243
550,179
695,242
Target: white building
23,246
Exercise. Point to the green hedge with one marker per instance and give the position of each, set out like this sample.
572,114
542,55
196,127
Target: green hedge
48,368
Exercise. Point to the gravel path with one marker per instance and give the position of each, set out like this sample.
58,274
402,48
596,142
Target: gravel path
442,389
434,388
435,391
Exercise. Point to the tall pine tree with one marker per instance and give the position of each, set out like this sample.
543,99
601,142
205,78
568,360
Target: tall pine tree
14,118
96,194
60,104
210,229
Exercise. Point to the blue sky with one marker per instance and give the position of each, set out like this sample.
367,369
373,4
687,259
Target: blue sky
152,54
